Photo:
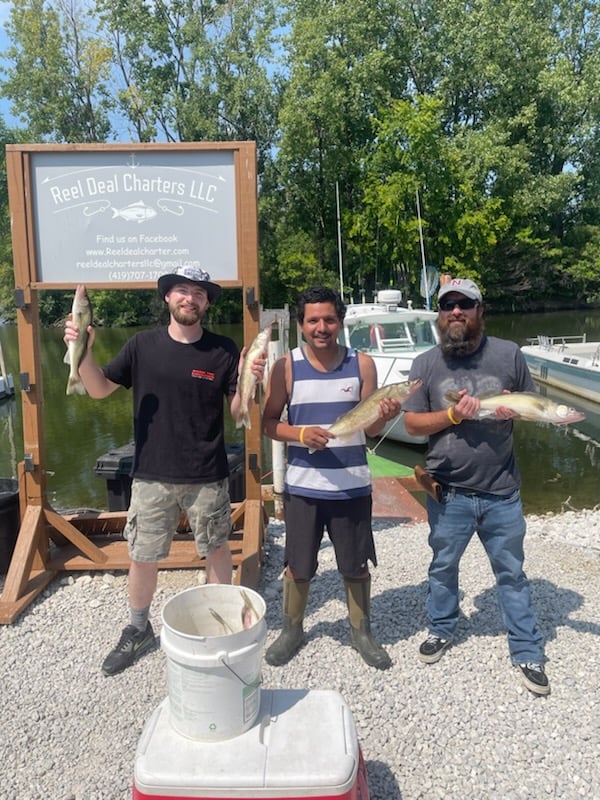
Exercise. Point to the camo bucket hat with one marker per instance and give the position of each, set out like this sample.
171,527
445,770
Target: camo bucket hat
194,275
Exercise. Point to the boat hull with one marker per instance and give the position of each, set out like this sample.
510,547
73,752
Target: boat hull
396,432
7,387
572,369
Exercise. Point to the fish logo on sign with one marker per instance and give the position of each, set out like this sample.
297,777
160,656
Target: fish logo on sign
136,212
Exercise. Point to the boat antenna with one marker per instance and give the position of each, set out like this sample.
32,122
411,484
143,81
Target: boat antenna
339,237
424,267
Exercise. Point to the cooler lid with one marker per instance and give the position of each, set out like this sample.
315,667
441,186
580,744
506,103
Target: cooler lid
303,744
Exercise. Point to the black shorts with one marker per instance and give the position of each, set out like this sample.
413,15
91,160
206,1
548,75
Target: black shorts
348,524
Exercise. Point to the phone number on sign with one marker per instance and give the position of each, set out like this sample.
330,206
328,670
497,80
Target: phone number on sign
136,275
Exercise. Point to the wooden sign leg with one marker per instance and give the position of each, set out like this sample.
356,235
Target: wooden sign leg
23,584
248,571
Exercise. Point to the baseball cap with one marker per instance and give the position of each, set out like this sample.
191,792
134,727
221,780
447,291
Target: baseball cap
189,275
462,286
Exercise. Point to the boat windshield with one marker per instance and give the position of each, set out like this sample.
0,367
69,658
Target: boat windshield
389,335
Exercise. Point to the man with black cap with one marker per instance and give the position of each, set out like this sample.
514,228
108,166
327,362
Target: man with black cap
474,463
179,375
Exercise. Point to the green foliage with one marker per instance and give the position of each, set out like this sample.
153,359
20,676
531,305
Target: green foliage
490,111
121,308
58,73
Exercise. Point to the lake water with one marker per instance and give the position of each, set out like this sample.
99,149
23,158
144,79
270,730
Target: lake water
560,466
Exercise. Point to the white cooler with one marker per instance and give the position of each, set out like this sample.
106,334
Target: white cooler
303,745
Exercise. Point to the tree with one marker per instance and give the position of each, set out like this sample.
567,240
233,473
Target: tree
58,72
340,71
190,70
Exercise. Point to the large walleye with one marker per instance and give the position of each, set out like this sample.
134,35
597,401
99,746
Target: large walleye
364,414
528,405
81,314
247,382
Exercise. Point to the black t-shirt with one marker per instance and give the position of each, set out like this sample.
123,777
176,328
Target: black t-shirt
178,392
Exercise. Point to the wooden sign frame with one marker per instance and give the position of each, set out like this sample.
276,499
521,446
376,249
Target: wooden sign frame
49,542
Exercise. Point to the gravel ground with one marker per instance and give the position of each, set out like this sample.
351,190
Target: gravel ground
463,728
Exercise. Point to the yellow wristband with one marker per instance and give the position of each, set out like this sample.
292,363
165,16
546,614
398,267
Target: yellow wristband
451,417
301,437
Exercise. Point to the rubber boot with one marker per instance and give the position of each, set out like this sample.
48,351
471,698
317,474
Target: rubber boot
291,638
358,597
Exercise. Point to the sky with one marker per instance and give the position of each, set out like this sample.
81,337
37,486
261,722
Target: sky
9,120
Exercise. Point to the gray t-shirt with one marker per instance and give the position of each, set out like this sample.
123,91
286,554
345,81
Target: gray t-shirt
476,455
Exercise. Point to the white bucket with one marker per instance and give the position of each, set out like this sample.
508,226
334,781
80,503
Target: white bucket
213,662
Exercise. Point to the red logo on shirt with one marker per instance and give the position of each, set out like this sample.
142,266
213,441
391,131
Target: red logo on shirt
203,374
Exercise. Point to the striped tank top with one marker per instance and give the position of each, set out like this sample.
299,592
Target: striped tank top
340,471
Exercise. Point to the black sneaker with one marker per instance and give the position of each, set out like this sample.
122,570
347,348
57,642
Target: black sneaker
432,649
534,678
132,645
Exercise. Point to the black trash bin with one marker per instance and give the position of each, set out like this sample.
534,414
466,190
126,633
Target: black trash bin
9,521
116,466
236,460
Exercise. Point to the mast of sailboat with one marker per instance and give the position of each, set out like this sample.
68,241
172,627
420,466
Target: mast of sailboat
424,266
339,236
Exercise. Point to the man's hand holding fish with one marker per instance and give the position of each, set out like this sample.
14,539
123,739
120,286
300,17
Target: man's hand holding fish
253,362
370,415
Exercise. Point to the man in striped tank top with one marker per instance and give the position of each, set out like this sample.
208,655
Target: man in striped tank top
328,481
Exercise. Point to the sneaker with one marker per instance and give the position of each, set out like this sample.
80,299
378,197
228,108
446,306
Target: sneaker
432,649
132,645
534,678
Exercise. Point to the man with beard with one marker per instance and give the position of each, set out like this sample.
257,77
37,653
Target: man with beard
475,464
179,375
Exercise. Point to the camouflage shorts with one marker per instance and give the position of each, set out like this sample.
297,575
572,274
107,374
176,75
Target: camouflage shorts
156,508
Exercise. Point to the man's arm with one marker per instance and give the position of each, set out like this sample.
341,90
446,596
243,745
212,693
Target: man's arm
429,422
312,436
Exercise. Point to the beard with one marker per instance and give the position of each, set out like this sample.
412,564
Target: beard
190,316
460,339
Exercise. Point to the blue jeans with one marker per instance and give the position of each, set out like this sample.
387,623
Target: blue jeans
500,525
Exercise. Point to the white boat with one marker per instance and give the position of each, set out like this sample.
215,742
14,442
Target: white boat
7,386
393,336
570,363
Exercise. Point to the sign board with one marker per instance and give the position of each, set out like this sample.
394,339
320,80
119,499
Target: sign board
119,216
128,215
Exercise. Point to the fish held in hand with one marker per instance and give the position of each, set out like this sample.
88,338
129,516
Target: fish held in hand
247,382
364,414
82,316
529,406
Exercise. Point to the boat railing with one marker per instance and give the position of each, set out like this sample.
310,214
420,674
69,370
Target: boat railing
388,345
557,342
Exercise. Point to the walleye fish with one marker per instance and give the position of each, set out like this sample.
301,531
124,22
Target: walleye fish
248,379
529,406
249,613
366,412
81,313
227,629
